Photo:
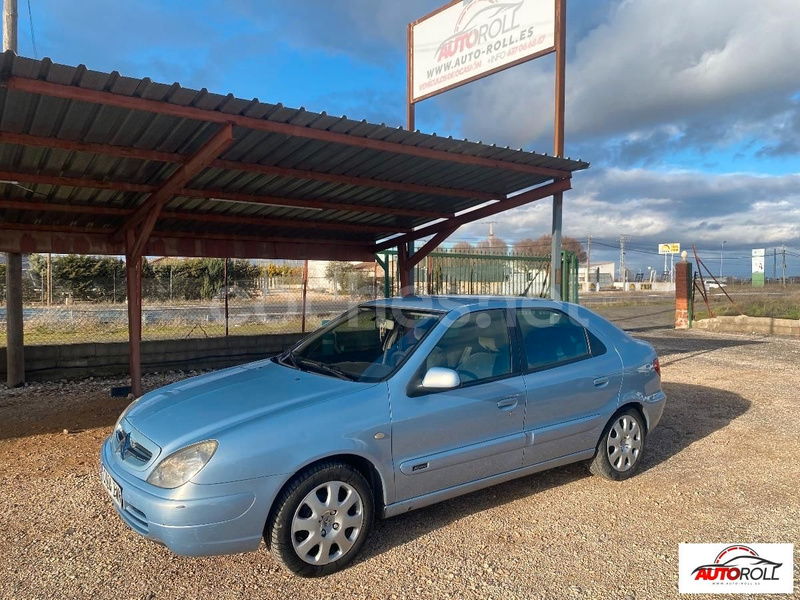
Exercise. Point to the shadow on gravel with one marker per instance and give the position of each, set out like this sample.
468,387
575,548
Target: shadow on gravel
25,416
692,413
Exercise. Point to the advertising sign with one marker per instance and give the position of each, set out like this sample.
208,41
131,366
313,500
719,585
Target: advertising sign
469,39
669,248
758,267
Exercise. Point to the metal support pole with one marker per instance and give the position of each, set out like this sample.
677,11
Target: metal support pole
558,144
133,271
555,248
15,345
305,292
410,106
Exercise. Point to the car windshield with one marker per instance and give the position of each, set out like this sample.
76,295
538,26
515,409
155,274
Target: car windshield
366,344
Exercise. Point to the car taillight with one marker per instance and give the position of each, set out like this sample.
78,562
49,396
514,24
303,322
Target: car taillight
657,366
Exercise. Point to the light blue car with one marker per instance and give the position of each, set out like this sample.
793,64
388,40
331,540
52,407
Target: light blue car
395,405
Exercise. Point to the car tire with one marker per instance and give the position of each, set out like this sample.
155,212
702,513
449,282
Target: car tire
321,519
619,451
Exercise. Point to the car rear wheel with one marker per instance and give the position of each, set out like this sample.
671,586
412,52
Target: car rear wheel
321,519
619,451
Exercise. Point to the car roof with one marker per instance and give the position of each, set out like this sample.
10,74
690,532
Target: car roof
459,303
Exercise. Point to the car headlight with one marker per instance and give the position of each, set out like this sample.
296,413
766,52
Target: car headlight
181,466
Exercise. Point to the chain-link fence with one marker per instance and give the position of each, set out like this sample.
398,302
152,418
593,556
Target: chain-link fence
74,299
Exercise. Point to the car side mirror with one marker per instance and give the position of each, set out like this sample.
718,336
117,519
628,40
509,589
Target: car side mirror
439,378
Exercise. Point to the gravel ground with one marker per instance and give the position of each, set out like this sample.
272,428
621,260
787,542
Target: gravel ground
723,466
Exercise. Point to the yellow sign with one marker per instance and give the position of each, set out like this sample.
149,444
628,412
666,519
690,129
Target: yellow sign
669,248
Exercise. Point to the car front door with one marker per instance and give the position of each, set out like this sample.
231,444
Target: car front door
572,384
445,438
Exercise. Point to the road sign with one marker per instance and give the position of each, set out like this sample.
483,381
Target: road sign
758,267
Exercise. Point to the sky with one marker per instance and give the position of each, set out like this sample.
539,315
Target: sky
687,110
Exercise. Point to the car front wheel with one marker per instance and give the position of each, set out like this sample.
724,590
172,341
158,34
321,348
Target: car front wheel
321,519
619,451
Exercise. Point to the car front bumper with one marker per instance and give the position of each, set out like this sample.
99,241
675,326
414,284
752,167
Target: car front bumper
194,520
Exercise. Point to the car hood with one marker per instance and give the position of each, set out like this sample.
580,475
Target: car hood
204,406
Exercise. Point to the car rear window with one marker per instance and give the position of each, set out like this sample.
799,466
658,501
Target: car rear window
551,338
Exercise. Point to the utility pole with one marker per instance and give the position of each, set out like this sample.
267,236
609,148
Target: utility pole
623,272
15,342
775,264
783,265
10,25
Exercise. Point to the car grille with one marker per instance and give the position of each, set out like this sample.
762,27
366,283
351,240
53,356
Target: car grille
130,446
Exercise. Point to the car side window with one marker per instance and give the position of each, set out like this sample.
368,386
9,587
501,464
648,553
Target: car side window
476,346
551,338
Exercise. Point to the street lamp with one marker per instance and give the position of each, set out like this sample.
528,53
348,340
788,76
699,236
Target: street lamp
722,252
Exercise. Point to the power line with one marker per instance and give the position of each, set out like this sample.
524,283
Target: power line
33,33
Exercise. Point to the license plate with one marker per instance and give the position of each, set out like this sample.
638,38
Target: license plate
112,487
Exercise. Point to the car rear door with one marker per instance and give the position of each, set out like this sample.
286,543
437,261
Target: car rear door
572,382
445,438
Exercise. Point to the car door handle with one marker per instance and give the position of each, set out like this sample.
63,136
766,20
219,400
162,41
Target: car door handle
600,382
508,403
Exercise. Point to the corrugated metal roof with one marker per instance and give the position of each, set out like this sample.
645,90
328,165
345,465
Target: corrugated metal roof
61,120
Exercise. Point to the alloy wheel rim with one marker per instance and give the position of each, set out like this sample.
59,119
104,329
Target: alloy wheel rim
624,443
327,523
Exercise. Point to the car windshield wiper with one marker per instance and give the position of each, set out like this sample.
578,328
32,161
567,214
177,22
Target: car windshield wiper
288,356
329,369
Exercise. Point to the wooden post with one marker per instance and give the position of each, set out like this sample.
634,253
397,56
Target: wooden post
15,341
133,272
225,285
305,292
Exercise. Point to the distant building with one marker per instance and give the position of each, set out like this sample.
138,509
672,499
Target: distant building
600,273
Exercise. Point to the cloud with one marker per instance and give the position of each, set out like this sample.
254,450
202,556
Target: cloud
673,73
653,207
368,31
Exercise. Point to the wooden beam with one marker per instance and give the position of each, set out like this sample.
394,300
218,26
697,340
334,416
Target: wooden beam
87,240
481,213
429,247
289,223
117,186
121,186
398,186
230,165
304,203
86,209
71,92
150,209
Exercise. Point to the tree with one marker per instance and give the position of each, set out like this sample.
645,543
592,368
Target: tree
541,246
492,245
462,247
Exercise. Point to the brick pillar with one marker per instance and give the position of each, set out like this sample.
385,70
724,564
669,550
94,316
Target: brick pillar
683,294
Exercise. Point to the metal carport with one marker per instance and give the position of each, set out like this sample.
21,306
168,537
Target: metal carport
98,163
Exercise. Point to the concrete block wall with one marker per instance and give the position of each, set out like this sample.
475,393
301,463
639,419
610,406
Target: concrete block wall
77,361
